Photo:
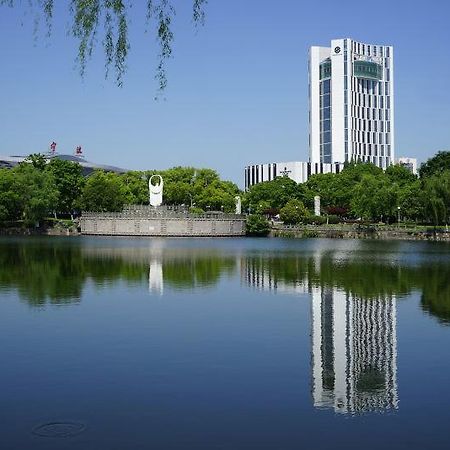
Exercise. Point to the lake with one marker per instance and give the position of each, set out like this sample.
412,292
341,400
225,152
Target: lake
129,343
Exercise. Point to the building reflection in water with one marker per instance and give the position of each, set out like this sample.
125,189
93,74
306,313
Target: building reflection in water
354,342
155,277
354,352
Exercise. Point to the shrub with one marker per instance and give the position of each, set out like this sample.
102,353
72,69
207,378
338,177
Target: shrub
257,225
293,212
316,220
333,219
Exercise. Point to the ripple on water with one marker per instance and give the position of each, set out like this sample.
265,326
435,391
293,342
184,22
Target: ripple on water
59,429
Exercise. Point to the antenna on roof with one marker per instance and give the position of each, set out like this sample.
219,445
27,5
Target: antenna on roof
79,152
52,148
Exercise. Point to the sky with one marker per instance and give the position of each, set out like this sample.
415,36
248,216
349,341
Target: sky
237,89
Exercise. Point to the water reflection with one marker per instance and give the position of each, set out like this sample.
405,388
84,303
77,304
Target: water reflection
354,352
353,328
353,295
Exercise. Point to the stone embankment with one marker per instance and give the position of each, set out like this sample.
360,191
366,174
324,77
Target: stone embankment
360,232
144,223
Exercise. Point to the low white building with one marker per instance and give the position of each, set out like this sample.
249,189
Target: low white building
296,170
408,163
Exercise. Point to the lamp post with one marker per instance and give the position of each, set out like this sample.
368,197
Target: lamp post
398,216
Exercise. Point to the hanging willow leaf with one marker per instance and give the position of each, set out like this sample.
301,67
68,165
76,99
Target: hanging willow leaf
88,15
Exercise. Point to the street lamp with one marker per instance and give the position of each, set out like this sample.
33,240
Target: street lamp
398,216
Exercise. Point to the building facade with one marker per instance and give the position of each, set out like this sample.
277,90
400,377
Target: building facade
295,170
351,103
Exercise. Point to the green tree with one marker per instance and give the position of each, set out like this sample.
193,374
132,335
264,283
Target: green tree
11,205
293,212
37,160
38,192
437,197
399,174
69,181
275,193
374,198
88,16
412,201
103,192
135,188
439,163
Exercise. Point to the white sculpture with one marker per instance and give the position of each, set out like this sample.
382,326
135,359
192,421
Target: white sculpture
317,205
156,190
238,204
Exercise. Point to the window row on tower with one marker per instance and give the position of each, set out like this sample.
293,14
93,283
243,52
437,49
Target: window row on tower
370,50
371,137
371,101
371,113
371,125
371,149
364,86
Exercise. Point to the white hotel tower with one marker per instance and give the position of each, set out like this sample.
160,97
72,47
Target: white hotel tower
351,97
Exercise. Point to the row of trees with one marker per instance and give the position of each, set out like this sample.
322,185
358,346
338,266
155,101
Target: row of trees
361,191
36,189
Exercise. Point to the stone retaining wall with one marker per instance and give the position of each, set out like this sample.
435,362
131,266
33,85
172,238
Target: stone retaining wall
127,225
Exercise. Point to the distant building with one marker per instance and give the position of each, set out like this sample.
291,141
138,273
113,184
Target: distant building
351,112
409,163
351,98
295,170
88,167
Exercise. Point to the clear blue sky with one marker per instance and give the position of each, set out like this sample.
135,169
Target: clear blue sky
237,90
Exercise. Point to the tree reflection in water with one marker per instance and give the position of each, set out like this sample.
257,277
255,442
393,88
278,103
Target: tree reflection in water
354,345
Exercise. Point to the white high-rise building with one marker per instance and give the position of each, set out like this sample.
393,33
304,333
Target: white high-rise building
351,97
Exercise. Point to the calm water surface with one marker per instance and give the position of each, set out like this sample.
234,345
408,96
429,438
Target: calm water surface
223,344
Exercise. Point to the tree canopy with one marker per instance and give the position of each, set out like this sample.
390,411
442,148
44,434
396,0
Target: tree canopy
439,163
364,191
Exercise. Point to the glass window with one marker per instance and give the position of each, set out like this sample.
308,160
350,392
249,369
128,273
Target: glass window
326,113
326,126
326,101
326,136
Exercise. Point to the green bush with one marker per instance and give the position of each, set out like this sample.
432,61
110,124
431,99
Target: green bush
315,220
257,225
333,219
294,212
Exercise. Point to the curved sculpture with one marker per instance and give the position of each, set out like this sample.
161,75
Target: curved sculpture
156,190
